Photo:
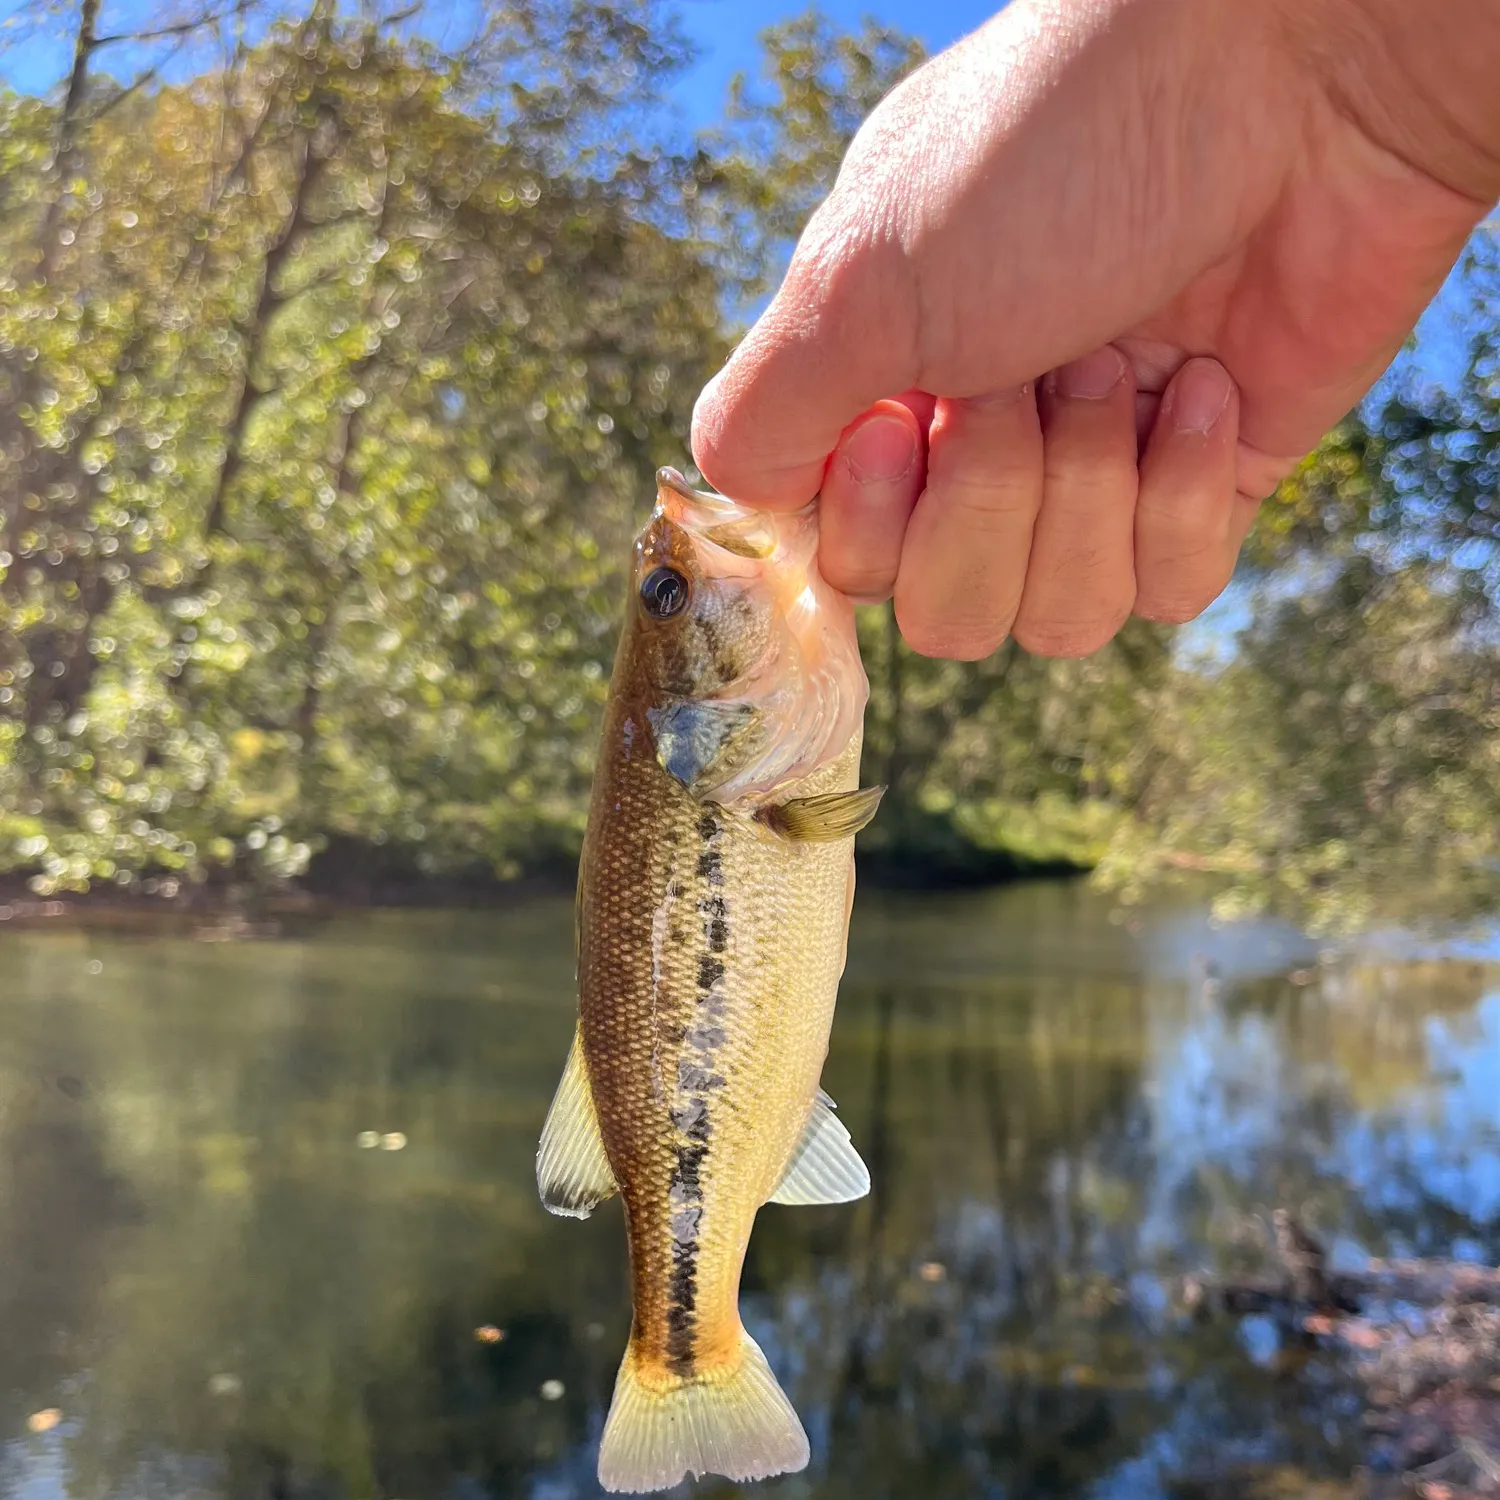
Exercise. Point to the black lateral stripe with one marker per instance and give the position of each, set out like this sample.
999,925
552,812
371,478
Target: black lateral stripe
682,1286
698,1079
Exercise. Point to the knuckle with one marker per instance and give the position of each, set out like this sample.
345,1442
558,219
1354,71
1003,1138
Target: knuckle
996,506
851,277
953,640
1090,479
1188,519
1191,548
1172,590
1003,424
981,488
838,268
860,580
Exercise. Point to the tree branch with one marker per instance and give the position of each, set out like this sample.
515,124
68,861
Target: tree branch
179,28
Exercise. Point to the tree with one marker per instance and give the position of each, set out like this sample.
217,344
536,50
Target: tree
334,366
1342,765
440,344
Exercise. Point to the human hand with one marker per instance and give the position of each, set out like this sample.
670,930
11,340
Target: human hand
1089,285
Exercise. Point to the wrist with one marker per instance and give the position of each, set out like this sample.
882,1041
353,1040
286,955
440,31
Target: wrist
1418,79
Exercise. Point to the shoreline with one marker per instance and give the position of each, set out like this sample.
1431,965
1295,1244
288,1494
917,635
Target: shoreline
215,909
226,911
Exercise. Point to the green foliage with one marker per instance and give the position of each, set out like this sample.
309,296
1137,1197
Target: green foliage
1344,766
332,378
324,442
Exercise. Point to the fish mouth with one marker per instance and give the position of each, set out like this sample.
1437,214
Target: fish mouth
738,529
675,494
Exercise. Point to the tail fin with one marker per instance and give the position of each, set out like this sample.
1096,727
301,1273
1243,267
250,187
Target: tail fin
736,1423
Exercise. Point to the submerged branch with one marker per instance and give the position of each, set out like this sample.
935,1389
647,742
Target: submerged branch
1422,1339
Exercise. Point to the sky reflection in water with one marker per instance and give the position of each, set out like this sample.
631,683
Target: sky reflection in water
225,1295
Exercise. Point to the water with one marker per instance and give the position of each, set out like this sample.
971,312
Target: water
268,1229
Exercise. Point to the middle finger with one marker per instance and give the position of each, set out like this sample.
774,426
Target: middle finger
963,561
1080,582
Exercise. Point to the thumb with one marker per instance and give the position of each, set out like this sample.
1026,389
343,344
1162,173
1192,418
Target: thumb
838,337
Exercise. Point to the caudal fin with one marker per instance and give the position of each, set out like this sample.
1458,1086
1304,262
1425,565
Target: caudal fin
737,1423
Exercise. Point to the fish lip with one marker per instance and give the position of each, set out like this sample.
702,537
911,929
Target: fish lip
671,483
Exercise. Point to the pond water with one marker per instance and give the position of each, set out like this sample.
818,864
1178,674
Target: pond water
268,1228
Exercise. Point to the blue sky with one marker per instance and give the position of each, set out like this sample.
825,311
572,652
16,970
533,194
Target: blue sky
726,32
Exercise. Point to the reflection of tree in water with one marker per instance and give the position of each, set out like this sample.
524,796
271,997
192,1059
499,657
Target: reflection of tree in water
1024,1157
1322,1090
246,1296
60,1203
292,1310
971,1342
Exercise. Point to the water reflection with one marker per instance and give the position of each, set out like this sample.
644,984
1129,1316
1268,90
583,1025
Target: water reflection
226,1294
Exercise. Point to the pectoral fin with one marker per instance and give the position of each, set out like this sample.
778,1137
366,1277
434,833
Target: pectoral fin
572,1172
824,818
825,1167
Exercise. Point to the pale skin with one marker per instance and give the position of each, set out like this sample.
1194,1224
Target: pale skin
1089,285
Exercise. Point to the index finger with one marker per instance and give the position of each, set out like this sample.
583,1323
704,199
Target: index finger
837,338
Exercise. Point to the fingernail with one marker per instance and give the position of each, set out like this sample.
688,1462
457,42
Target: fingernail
1198,396
880,450
1091,378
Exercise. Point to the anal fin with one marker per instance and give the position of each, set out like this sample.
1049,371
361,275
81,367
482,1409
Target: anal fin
825,818
825,1167
573,1173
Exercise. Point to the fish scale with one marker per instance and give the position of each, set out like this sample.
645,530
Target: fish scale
714,894
642,1001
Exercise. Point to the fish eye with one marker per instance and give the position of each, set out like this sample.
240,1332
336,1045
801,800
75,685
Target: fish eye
664,593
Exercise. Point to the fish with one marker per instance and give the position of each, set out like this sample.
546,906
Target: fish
715,888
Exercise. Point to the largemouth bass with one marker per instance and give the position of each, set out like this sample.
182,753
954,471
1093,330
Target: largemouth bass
713,913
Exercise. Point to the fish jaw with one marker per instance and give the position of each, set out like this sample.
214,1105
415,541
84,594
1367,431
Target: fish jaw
808,693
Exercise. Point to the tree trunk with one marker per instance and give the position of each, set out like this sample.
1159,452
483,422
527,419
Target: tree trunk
65,153
310,164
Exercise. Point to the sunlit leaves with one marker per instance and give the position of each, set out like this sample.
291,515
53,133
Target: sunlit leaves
347,401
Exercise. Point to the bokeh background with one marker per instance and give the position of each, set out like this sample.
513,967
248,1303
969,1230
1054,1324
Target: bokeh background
338,344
